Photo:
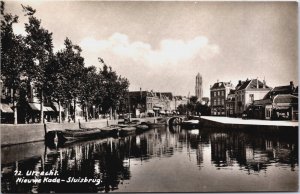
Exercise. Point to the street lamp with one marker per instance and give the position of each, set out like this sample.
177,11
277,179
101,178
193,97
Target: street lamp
93,111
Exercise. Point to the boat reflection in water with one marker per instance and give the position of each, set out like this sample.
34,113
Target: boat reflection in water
168,160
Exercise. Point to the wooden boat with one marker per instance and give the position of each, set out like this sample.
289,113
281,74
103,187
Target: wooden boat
127,130
153,125
191,124
142,127
78,134
110,130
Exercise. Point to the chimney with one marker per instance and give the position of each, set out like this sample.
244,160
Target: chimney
264,83
257,86
240,82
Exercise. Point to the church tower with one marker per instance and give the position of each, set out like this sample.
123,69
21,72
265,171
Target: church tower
198,88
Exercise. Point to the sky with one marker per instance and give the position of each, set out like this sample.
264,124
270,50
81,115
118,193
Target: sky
162,46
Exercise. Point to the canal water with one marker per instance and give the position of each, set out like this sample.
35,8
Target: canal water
166,159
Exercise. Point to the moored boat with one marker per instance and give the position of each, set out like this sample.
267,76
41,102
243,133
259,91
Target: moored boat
78,134
127,130
194,123
142,127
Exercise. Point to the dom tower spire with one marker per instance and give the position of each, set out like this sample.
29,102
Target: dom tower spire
198,88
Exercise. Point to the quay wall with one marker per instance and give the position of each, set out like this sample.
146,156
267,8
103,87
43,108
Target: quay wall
19,152
24,133
209,123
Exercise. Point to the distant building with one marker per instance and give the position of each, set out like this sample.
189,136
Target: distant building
177,101
230,103
218,94
198,87
280,103
143,103
248,91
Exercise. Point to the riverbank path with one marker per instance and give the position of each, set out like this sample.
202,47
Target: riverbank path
229,120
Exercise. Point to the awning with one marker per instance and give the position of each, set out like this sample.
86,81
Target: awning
151,111
48,109
37,107
55,104
5,108
282,108
162,112
154,108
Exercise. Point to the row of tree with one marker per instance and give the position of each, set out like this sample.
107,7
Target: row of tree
59,77
194,107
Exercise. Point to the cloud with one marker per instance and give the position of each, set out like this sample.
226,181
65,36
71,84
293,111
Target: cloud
170,51
169,67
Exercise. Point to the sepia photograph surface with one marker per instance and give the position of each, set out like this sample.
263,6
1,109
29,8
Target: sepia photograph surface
149,96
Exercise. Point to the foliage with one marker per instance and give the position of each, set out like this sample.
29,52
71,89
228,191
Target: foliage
12,52
39,48
115,87
62,76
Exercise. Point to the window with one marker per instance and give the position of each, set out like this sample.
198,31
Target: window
215,102
223,93
251,96
218,93
222,102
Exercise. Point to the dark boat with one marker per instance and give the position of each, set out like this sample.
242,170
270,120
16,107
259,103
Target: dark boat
142,127
110,130
153,125
78,134
127,129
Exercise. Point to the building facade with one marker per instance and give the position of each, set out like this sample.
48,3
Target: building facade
247,92
281,103
198,87
230,103
145,103
218,94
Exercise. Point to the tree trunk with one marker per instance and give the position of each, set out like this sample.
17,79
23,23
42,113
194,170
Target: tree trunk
67,112
42,107
86,113
110,113
15,108
75,110
59,113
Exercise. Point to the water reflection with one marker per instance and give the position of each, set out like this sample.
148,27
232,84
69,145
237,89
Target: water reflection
112,160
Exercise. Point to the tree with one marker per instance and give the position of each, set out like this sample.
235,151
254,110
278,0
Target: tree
12,57
92,88
182,109
193,99
56,81
72,68
116,88
39,52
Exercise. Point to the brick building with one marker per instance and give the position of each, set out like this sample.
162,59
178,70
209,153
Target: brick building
218,94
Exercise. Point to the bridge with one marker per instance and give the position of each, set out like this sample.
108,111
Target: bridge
174,120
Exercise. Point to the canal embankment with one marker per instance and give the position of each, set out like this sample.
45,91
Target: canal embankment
239,123
25,133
